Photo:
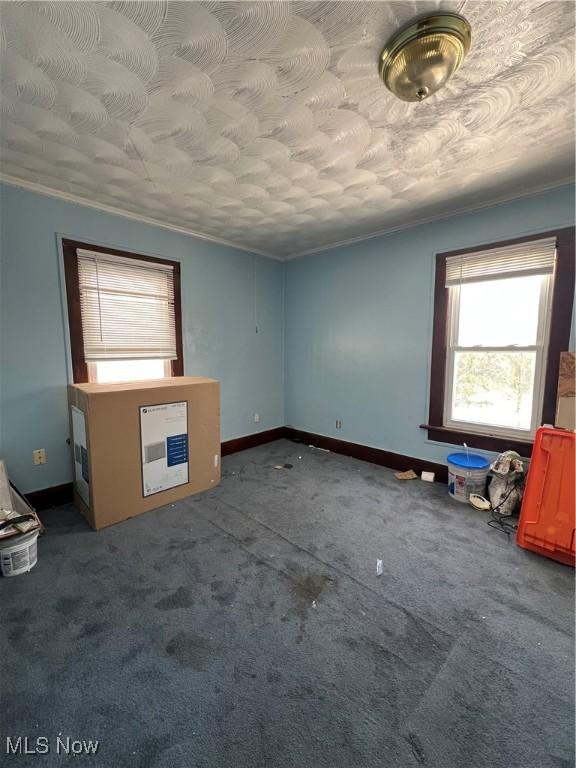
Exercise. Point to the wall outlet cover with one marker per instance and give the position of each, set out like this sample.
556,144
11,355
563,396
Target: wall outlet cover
39,456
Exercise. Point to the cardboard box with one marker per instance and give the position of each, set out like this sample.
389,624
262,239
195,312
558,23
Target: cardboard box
566,401
140,445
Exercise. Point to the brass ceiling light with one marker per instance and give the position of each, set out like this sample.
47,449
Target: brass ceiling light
422,57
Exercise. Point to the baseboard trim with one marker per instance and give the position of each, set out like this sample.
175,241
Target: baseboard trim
365,453
56,495
251,441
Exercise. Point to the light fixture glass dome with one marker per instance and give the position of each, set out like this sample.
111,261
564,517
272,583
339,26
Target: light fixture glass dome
421,58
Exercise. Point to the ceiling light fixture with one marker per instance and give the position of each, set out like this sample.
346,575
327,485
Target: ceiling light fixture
422,57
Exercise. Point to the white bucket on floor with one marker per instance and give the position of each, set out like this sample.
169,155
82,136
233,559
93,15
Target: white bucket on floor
19,555
467,474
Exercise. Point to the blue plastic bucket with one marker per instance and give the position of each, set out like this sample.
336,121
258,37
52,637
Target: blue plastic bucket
467,474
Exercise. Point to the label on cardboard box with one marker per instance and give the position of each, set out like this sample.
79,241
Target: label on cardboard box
164,446
81,473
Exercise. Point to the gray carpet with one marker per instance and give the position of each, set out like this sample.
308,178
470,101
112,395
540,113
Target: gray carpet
247,627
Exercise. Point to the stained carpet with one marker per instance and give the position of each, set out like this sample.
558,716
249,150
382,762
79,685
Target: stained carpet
247,627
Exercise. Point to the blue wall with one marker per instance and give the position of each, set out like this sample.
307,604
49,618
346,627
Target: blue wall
223,291
359,324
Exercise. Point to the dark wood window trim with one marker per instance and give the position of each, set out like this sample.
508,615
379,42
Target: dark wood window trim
561,319
79,365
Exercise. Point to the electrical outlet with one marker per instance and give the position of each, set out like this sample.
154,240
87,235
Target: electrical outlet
39,456
338,424
256,418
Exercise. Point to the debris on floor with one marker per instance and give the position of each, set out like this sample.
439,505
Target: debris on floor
12,522
506,487
316,448
16,515
479,502
408,475
428,477
283,466
379,567
19,529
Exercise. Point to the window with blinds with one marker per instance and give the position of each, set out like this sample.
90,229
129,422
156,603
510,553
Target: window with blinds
497,337
127,308
534,258
124,314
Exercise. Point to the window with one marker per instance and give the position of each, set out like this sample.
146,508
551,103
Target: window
106,371
502,316
498,329
124,314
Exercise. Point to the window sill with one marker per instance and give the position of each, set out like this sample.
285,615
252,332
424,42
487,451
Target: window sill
485,442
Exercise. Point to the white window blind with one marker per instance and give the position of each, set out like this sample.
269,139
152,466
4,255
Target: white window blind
127,308
536,257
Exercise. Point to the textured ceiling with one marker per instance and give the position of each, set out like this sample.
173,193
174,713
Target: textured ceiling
265,124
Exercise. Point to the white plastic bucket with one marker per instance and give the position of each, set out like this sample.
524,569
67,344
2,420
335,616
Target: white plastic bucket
467,474
20,555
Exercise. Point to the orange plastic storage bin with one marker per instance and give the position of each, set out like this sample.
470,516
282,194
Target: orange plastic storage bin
547,518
